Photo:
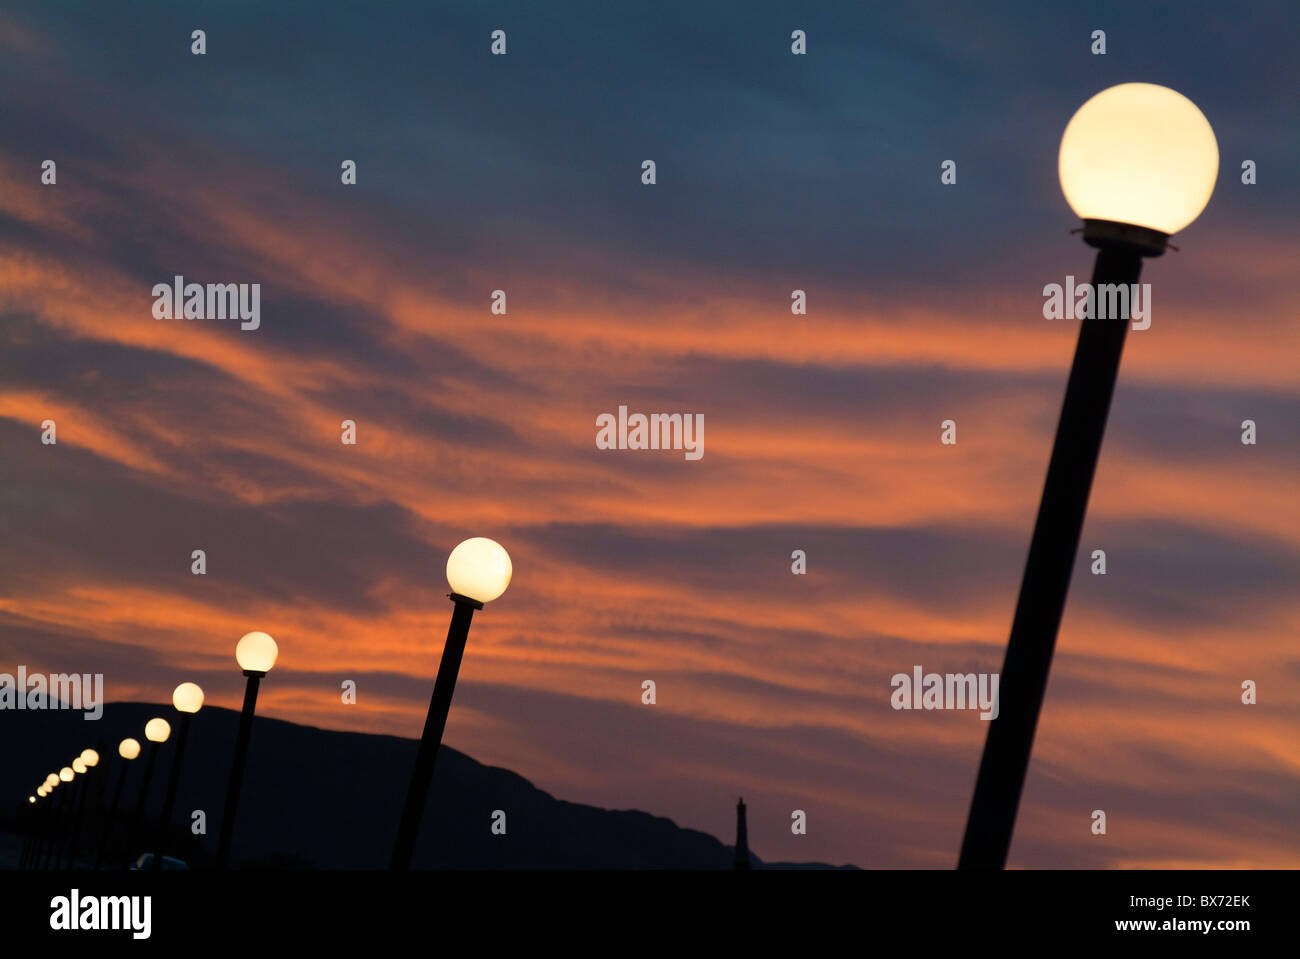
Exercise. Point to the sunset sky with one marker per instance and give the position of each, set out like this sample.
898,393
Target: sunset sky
774,173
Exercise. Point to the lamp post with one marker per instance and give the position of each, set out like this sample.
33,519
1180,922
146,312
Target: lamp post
89,759
35,860
29,822
128,749
74,808
156,731
188,700
256,654
478,571
31,830
1138,162
66,775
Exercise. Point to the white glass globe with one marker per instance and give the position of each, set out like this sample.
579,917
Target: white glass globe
188,698
479,568
129,748
1139,153
66,774
256,652
31,799
90,758
157,730
52,780
78,765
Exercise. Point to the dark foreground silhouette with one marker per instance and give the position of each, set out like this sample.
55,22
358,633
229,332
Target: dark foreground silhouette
315,798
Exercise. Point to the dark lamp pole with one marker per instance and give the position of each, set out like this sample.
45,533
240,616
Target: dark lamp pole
435,722
74,811
237,766
1137,163
256,653
478,571
1052,552
56,825
89,759
173,783
188,700
129,749
135,837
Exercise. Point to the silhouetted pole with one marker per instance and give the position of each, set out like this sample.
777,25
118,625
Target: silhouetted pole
56,818
74,805
435,722
70,819
173,783
478,571
1138,162
38,837
136,830
27,816
111,818
237,766
79,811
46,830
26,820
1052,551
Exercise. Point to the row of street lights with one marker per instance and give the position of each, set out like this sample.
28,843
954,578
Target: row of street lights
51,853
256,653
478,571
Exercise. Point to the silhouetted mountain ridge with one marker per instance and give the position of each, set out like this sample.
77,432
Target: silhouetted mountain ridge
321,798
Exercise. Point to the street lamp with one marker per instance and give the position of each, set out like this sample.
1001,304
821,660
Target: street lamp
54,822
256,654
77,769
478,571
1137,163
29,828
88,760
188,700
46,848
156,731
128,749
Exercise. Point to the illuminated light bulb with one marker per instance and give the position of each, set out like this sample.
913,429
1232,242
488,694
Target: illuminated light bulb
1139,154
480,569
188,698
157,730
256,652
